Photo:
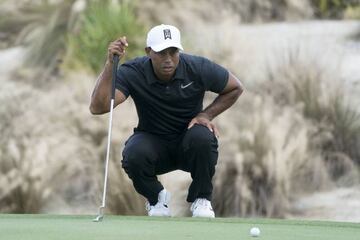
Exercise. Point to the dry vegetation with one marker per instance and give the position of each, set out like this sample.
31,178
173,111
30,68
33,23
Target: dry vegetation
53,151
273,161
295,132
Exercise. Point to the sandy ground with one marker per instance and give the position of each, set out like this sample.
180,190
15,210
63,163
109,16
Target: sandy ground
10,59
342,204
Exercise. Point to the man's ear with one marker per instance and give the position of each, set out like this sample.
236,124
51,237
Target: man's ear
147,50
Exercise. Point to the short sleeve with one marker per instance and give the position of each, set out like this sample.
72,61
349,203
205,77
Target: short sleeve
121,82
214,76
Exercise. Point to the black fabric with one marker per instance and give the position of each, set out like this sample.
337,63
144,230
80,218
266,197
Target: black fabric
165,109
147,155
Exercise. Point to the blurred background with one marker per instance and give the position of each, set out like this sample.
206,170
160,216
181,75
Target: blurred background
289,148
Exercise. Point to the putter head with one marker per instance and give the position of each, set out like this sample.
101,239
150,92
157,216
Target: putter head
99,218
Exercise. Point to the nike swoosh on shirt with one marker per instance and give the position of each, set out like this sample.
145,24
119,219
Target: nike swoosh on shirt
185,86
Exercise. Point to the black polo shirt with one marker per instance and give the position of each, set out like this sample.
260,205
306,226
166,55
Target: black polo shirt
166,108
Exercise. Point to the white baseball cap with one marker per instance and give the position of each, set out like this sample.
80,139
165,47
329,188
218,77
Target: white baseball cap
163,36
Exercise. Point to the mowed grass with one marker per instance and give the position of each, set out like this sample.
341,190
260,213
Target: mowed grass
37,227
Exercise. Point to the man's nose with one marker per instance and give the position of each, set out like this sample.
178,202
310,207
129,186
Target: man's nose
167,57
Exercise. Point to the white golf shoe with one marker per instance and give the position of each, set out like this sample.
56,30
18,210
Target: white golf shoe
201,207
161,208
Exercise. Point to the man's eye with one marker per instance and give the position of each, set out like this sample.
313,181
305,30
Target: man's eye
174,51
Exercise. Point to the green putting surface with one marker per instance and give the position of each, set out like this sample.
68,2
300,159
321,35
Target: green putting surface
52,227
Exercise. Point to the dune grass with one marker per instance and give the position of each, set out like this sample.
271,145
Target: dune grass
101,23
120,227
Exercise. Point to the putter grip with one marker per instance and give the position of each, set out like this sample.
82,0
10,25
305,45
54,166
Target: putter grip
114,71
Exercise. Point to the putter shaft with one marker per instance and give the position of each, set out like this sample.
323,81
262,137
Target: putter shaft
102,207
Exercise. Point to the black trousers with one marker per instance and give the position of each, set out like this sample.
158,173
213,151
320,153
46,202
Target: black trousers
146,155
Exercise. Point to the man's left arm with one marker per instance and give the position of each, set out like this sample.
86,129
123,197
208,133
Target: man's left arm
223,101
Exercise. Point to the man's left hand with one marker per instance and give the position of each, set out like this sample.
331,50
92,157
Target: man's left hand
204,120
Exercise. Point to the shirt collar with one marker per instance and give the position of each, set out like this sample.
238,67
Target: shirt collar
151,77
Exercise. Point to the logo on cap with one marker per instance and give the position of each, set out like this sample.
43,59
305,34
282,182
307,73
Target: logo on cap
167,34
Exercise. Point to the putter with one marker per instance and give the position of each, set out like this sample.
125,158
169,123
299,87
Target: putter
100,215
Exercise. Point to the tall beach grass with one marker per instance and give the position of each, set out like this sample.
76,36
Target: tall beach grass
101,23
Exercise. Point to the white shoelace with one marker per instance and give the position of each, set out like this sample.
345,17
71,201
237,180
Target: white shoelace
148,207
202,203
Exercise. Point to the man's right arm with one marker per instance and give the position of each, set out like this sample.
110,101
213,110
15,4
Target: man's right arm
100,98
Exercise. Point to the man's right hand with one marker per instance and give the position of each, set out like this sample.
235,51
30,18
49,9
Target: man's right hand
117,47
100,98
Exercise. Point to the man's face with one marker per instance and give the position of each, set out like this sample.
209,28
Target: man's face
164,62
